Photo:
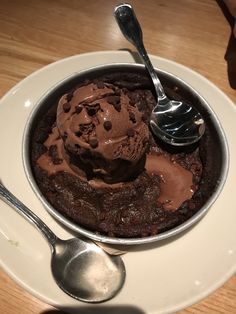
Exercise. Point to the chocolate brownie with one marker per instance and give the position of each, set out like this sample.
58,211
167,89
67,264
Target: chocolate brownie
135,187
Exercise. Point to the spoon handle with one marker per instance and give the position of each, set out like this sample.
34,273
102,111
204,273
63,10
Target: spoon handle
11,200
132,31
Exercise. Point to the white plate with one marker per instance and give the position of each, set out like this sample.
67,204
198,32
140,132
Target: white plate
161,278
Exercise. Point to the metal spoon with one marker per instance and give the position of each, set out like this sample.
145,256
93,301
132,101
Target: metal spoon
175,122
80,268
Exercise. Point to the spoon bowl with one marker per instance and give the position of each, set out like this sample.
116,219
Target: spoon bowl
80,268
175,122
90,275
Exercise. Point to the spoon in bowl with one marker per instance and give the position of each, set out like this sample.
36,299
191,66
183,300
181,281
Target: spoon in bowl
175,122
80,268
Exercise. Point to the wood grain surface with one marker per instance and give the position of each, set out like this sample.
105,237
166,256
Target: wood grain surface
195,33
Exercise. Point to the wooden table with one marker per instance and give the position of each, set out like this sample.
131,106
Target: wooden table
195,33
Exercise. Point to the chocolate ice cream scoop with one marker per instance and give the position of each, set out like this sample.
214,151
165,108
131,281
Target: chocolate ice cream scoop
103,132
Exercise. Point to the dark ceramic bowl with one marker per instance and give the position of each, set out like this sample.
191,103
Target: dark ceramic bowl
219,148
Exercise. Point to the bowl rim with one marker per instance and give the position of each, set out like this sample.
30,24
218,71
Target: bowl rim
118,240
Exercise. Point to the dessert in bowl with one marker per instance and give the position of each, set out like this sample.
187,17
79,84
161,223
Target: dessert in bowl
93,161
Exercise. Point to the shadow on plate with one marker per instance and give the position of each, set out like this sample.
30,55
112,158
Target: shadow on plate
134,54
95,309
230,54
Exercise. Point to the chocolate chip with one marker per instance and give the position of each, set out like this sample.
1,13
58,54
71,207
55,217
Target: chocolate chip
117,107
78,133
69,96
93,142
130,132
107,125
78,109
91,111
100,84
66,107
132,117
57,161
82,127
52,151
113,100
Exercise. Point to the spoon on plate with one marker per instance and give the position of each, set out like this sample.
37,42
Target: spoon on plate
80,268
175,122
